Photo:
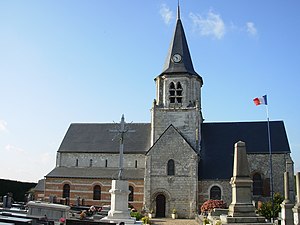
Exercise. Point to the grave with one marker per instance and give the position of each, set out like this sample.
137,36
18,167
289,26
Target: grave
119,212
296,209
241,209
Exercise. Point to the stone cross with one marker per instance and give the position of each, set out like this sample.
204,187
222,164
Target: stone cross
121,132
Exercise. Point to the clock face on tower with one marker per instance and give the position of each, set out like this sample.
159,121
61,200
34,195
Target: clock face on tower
176,58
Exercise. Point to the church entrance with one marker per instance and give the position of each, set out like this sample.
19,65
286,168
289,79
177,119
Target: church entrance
160,205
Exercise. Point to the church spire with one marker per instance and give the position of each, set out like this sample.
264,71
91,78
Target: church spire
179,59
178,11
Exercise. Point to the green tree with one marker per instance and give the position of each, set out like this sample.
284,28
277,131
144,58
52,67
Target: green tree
266,209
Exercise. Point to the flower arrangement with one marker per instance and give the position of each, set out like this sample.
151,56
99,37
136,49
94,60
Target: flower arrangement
145,220
209,205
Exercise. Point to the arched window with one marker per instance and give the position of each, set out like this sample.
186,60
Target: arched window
171,168
172,86
175,93
257,184
76,164
179,93
91,162
215,193
136,164
179,85
131,194
97,192
172,92
106,162
66,191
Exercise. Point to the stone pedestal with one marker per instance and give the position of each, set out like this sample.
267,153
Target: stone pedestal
119,204
241,204
287,213
286,205
241,209
296,209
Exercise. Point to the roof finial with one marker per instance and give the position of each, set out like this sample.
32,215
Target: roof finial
178,11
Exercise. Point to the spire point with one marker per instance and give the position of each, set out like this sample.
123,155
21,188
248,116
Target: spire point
178,11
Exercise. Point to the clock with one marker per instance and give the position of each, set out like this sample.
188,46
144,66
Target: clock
176,58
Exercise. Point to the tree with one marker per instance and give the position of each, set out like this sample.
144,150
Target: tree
266,208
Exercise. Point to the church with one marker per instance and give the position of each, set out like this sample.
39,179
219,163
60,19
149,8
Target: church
176,161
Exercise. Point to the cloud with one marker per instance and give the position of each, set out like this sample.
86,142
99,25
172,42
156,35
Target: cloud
3,125
166,13
211,25
251,29
13,149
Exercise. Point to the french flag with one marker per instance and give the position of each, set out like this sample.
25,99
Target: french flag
261,100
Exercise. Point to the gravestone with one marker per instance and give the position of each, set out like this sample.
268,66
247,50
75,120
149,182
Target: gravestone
296,208
286,205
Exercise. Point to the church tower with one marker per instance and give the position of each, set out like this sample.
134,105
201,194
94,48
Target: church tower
178,93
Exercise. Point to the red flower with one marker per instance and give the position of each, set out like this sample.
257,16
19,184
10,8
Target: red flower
209,205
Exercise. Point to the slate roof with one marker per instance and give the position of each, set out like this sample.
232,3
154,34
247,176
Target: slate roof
179,45
96,137
40,185
95,172
217,144
218,139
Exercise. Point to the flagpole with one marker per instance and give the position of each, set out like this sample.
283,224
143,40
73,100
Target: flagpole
270,162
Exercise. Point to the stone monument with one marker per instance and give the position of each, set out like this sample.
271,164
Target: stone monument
119,212
296,208
286,205
241,209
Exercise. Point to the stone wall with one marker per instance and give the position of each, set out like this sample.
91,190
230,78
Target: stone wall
180,190
186,120
258,163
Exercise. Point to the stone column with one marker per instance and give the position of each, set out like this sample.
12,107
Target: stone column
296,208
241,205
119,211
286,206
241,209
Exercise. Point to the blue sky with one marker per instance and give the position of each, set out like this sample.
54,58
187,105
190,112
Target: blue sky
92,61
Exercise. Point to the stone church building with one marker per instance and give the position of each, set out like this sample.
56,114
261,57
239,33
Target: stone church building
177,161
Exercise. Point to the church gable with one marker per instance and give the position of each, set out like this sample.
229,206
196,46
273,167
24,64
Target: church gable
171,173
171,146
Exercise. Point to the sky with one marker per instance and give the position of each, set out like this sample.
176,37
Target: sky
73,61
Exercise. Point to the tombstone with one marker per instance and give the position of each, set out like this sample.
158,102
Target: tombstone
54,199
241,209
78,201
286,205
296,209
51,199
7,201
67,201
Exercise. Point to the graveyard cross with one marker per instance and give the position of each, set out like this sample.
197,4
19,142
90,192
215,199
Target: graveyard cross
121,132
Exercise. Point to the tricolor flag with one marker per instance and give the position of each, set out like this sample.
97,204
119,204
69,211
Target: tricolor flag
261,100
